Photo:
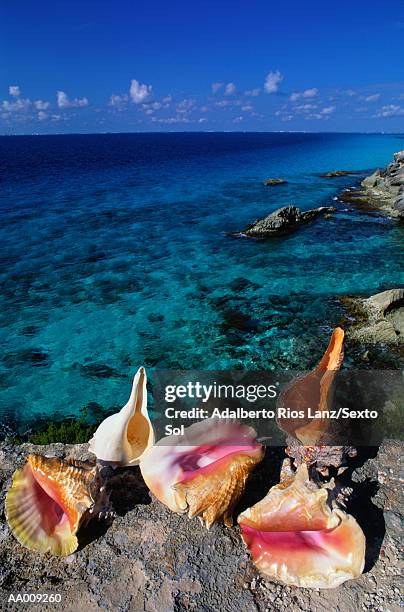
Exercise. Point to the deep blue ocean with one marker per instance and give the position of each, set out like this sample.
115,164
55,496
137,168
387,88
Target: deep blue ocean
114,254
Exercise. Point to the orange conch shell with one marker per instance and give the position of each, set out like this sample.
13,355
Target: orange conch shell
47,501
313,391
295,538
203,472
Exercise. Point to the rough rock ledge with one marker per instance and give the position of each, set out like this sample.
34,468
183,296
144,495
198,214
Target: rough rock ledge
153,560
382,190
380,318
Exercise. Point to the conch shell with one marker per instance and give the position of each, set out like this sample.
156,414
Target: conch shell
313,391
316,440
122,438
204,471
295,538
48,500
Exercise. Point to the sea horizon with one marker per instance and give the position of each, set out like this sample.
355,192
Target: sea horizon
369,133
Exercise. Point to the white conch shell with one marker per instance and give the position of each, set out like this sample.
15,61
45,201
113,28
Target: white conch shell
295,538
204,471
124,437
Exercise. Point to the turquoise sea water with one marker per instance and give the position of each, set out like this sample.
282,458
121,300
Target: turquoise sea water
114,254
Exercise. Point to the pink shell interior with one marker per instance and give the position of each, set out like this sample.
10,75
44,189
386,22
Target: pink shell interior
202,459
47,502
290,541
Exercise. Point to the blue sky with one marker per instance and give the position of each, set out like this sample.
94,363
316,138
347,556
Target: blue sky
189,65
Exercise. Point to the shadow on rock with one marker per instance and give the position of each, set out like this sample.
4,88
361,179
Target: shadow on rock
370,517
265,476
92,531
126,489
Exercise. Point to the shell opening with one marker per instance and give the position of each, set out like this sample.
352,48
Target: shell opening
294,537
202,459
48,504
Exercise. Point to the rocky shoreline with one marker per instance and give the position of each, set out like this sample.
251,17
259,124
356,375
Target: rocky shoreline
383,190
377,319
148,558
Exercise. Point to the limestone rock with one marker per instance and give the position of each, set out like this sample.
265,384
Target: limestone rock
271,182
283,221
151,559
384,189
337,173
382,318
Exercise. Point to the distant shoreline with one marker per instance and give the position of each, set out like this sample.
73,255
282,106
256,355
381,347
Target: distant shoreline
205,132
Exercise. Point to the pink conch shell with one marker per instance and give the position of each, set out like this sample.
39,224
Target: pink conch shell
295,538
203,472
48,500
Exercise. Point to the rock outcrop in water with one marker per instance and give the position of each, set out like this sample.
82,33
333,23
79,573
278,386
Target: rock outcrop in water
337,173
151,559
271,182
283,221
380,318
382,190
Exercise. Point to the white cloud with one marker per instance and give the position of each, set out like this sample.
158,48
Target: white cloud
238,119
305,107
151,107
324,113
118,101
307,93
232,102
229,89
248,108
390,110
185,106
14,91
139,92
20,104
167,99
63,101
42,116
253,93
41,105
327,110
372,98
350,92
272,82
216,87
171,120
202,120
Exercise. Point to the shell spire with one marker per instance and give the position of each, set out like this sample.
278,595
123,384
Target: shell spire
123,438
313,437
295,538
47,502
313,390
